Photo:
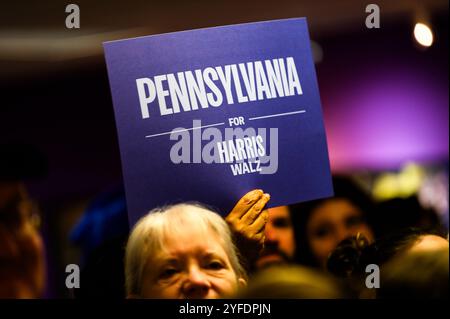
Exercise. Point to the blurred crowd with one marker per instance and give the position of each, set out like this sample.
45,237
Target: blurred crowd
346,246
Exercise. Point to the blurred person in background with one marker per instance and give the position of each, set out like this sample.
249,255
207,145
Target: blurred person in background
408,240
398,214
22,257
320,225
419,273
101,234
421,264
351,257
279,244
348,262
293,282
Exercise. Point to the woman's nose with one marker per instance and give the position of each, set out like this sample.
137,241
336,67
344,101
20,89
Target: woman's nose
344,233
196,284
271,234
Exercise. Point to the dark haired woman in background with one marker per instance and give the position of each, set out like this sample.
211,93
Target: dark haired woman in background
322,224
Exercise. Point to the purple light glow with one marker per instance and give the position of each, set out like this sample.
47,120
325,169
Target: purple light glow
385,119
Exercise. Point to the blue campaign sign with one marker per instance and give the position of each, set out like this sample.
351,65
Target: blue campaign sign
207,115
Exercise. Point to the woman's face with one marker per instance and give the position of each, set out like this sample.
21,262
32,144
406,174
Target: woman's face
330,223
192,265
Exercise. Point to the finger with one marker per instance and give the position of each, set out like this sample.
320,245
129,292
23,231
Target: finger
256,210
259,237
260,222
244,204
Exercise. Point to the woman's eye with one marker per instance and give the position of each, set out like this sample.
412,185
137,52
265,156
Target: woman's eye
322,232
215,265
353,220
281,222
167,273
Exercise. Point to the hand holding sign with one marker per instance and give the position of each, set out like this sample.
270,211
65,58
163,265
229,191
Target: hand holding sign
247,221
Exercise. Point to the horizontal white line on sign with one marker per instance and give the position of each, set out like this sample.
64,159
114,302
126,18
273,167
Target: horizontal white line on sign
184,130
275,115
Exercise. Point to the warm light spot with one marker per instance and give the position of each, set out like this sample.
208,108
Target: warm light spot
423,34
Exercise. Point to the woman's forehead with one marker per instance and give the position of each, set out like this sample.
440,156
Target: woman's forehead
333,210
194,236
190,235
176,249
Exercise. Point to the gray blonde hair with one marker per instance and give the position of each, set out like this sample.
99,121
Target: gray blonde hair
148,235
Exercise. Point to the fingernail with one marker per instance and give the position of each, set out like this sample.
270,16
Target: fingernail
267,195
258,193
